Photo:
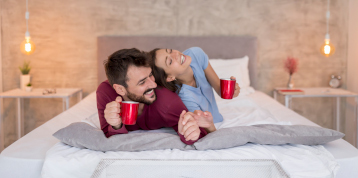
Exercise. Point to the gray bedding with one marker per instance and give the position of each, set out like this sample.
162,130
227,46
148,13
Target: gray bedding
82,135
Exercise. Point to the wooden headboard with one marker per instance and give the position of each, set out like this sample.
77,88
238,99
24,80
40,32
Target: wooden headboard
222,47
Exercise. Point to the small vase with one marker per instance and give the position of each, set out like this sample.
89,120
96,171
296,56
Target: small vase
24,80
290,83
28,89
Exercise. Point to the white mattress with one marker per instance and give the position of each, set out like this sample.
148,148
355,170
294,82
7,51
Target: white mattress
343,152
26,156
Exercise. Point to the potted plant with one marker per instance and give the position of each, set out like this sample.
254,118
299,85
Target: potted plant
28,87
25,77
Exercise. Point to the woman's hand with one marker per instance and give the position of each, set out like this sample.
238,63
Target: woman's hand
205,120
237,88
188,127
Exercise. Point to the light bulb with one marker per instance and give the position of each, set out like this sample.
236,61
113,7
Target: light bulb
327,49
27,46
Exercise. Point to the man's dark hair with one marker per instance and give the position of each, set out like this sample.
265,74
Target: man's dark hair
118,63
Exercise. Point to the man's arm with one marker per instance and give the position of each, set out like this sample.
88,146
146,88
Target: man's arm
188,127
204,119
106,95
172,116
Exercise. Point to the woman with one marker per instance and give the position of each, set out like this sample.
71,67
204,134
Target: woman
191,76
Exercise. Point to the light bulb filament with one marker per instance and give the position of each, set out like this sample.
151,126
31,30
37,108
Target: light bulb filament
327,49
28,47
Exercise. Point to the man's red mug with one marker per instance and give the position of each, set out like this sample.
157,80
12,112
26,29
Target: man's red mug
129,112
227,87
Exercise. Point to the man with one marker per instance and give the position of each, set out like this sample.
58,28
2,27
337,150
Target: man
130,79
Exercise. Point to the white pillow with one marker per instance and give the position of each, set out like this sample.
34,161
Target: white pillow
225,68
93,120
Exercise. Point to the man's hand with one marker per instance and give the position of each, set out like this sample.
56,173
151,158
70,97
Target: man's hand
205,120
112,113
237,88
188,127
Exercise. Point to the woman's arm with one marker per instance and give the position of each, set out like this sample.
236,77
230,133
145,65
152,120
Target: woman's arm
214,81
212,78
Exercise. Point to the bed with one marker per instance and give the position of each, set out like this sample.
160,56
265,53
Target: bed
26,157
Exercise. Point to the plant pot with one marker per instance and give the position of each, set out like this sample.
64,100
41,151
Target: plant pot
24,80
28,89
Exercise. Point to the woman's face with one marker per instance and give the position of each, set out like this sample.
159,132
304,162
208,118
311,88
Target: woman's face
173,62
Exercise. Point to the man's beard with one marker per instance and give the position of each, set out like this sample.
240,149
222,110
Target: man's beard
141,99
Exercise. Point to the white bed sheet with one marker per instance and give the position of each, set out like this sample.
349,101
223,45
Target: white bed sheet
297,160
26,156
345,153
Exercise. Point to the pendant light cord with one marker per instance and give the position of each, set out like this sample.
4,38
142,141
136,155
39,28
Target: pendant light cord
27,15
327,18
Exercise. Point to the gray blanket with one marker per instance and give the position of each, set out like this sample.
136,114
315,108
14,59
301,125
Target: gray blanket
83,135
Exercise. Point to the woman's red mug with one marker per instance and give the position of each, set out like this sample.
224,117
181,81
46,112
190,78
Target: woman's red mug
129,112
227,87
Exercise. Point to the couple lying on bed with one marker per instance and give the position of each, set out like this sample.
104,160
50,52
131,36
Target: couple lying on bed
155,80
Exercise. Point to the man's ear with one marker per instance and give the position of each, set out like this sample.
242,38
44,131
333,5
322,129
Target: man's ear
120,89
170,78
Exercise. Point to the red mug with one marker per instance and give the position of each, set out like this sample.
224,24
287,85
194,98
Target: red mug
129,112
227,88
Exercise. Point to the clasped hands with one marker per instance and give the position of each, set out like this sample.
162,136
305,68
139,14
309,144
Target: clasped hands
189,123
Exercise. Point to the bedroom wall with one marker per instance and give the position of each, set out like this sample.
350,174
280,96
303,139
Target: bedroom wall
352,73
1,103
65,34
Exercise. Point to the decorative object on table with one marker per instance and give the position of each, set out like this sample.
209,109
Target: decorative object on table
291,65
27,46
335,81
25,77
291,91
28,87
327,49
49,91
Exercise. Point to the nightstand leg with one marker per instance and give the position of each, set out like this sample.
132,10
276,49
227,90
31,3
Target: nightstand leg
64,104
338,107
80,95
356,114
67,102
2,141
288,101
19,116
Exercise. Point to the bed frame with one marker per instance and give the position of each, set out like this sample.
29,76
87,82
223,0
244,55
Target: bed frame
225,47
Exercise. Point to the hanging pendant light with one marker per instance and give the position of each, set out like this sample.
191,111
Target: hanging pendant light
327,49
27,46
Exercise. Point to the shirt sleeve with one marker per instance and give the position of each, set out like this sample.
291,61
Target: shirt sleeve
172,118
192,106
201,57
102,99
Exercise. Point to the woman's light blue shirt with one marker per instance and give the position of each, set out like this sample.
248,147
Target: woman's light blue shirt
202,97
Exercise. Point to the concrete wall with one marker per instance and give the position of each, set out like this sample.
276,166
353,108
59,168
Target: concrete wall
1,103
352,72
65,33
